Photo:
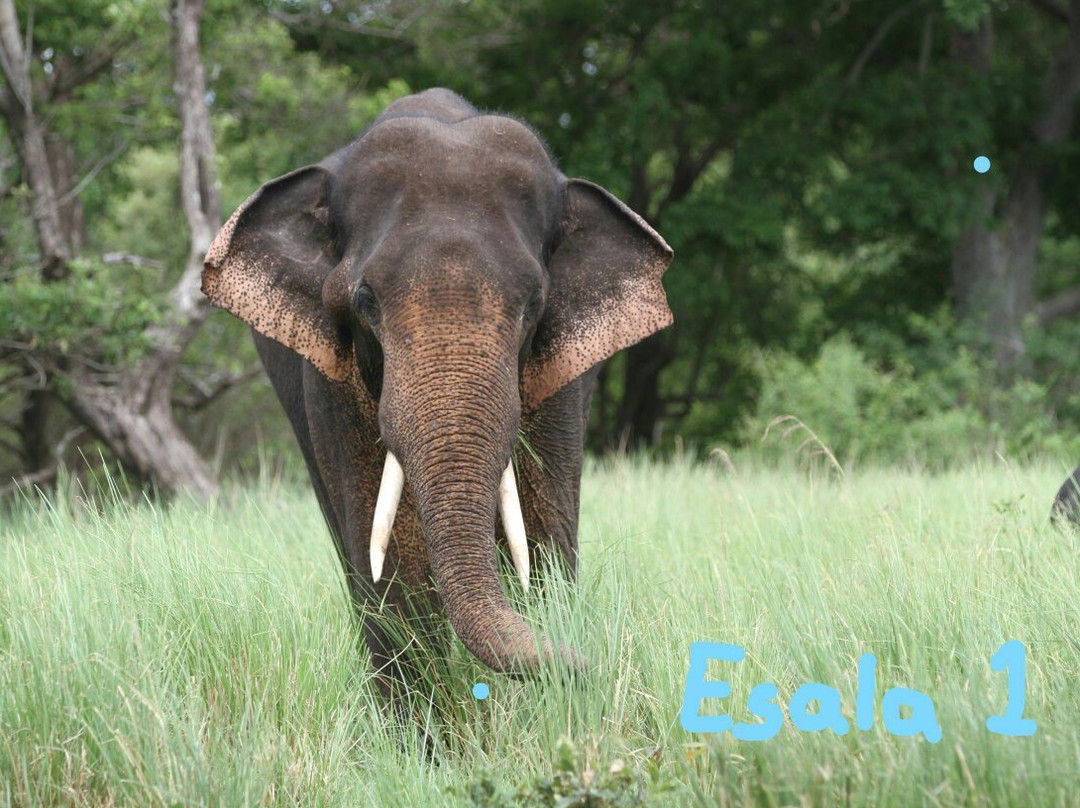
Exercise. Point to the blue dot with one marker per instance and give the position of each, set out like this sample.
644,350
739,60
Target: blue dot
982,164
480,691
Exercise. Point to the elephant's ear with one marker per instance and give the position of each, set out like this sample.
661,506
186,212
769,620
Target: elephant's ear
269,263
605,291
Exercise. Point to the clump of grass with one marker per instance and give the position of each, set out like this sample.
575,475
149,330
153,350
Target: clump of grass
816,445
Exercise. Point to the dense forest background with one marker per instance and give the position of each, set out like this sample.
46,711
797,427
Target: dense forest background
838,258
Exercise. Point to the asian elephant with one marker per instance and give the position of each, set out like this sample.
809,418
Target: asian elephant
1066,507
425,300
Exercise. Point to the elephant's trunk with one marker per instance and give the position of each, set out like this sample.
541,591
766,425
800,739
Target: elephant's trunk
459,520
453,428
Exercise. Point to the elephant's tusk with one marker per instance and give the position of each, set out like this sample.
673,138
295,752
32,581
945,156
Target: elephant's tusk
513,524
393,480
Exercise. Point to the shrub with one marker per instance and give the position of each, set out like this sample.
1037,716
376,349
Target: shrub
949,410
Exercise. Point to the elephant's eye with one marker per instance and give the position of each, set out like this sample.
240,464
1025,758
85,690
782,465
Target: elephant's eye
367,305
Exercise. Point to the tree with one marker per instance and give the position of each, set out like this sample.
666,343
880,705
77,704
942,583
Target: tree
995,259
127,406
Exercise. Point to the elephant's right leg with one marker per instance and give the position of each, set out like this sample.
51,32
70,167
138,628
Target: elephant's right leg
403,646
400,613
336,427
404,641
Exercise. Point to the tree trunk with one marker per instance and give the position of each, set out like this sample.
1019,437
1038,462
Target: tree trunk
34,443
61,159
28,133
993,263
143,435
993,268
641,409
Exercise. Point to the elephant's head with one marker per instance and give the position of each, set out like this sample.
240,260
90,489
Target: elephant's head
452,268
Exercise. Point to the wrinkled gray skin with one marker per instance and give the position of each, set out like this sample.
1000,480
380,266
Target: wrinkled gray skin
431,290
1066,507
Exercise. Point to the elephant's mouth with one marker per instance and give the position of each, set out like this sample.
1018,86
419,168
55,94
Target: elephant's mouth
393,481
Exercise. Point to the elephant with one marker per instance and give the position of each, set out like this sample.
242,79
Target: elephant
431,304
1066,507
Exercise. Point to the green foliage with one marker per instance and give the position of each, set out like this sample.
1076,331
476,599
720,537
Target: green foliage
936,406
95,315
857,409
141,214
276,109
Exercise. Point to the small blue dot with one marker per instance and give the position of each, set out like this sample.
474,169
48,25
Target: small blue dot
982,164
480,691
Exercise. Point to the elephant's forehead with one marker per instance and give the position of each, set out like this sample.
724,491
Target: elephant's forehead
473,156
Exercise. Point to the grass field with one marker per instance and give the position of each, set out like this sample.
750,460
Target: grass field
186,655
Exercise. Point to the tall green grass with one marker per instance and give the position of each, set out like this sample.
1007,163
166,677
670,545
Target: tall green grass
191,655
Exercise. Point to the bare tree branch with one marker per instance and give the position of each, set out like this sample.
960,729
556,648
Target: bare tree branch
1063,304
47,473
78,188
131,260
13,56
877,39
7,162
686,173
209,390
199,191
68,75
31,480
926,44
